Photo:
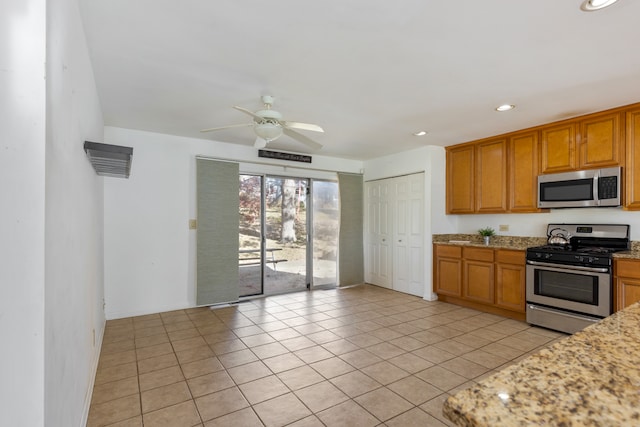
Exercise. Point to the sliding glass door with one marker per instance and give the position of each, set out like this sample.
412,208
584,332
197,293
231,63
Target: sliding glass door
288,239
286,235
326,224
250,235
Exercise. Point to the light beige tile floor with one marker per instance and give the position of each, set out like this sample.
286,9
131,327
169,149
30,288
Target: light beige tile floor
361,356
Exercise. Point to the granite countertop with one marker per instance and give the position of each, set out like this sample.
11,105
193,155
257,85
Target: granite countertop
497,242
514,243
634,253
591,378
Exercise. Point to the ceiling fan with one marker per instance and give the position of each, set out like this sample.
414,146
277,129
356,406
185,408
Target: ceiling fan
269,126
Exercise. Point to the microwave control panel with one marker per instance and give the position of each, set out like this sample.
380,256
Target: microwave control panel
608,187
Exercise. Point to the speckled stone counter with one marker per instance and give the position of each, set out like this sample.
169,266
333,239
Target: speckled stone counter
591,378
634,253
514,242
497,242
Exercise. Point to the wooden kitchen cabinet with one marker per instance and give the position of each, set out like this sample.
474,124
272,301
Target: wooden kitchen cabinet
460,180
485,279
478,274
632,164
600,143
627,282
448,270
491,176
499,174
510,279
558,148
523,165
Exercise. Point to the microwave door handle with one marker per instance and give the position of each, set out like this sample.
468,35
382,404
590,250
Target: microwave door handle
596,197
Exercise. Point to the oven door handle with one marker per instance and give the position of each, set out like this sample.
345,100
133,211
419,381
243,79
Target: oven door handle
568,267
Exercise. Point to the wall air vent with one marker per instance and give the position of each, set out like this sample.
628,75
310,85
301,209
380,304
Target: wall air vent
109,160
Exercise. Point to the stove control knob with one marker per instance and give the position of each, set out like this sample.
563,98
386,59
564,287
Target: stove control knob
547,256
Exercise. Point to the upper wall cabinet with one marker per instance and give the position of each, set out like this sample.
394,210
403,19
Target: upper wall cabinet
523,164
491,176
601,141
632,164
595,141
460,180
558,148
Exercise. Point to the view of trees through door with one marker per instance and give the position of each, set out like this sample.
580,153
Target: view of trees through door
275,252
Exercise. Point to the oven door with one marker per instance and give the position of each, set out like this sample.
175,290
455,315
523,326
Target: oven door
579,289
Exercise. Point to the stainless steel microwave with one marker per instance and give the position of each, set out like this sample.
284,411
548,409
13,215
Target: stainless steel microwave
580,189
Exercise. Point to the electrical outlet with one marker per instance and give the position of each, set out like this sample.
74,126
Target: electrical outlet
504,227
193,224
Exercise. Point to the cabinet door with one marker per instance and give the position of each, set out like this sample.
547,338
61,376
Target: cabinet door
632,169
600,141
558,148
448,277
510,280
491,176
523,166
460,176
628,292
478,281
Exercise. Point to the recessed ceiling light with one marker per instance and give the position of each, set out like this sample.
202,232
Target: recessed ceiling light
420,133
591,5
505,107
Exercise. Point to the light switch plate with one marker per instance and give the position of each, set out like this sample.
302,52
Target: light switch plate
504,227
193,224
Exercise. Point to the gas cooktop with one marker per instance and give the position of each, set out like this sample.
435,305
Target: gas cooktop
587,244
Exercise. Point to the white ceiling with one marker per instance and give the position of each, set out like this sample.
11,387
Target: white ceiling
370,72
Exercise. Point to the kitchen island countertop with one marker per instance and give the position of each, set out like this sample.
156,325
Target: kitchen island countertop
591,378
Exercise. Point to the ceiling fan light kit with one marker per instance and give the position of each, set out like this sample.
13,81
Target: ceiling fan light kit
593,5
269,126
268,130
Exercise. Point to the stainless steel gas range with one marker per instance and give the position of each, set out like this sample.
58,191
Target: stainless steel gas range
569,283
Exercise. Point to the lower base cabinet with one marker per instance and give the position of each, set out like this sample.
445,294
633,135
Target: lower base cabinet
627,282
510,279
486,279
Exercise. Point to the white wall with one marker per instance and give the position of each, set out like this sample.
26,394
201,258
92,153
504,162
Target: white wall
149,250
74,287
22,185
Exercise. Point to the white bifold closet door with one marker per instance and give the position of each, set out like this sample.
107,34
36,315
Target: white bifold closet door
394,238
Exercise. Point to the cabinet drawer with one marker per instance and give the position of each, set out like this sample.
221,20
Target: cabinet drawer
510,257
449,251
478,254
628,268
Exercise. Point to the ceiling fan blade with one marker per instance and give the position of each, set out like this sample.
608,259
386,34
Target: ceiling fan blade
249,112
301,138
227,127
303,126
